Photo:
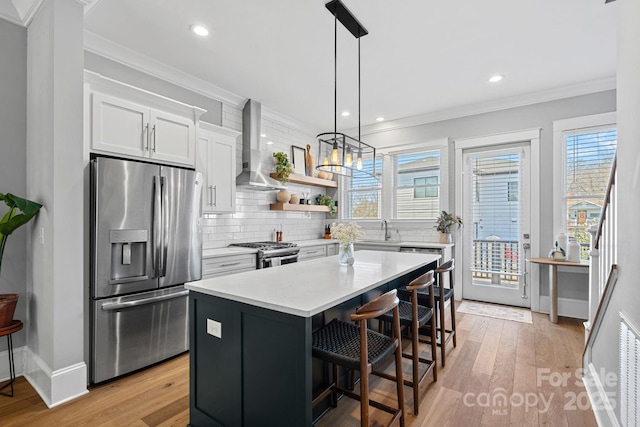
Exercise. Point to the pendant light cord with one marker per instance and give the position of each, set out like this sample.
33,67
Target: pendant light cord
359,89
335,73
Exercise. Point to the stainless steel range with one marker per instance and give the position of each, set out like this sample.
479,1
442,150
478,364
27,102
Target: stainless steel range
272,254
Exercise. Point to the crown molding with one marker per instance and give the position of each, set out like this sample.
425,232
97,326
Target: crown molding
130,58
531,98
125,56
22,12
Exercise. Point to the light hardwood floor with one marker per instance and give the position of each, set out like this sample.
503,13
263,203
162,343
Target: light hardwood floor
494,358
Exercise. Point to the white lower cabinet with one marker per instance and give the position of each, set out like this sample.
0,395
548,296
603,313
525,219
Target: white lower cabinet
227,264
317,251
217,161
332,249
311,252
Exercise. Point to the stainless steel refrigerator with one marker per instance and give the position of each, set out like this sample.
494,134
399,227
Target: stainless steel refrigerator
146,243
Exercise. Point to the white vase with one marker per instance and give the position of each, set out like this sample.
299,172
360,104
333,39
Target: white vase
573,251
345,254
283,196
445,238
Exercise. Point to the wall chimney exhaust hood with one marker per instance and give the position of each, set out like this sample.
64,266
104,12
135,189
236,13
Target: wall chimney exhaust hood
252,177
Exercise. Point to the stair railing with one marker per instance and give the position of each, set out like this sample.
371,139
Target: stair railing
603,253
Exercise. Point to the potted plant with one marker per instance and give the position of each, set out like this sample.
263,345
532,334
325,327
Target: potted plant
20,212
283,170
445,222
323,200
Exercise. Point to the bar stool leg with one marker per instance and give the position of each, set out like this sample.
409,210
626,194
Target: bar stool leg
12,368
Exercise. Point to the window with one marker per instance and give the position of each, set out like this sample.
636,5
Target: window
425,187
589,155
585,149
363,196
417,185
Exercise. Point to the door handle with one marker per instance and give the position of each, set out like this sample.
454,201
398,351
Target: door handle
157,231
165,227
215,197
110,306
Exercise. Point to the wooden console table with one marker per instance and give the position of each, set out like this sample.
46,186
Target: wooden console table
553,281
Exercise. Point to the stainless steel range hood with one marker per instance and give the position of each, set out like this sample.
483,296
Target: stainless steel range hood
252,176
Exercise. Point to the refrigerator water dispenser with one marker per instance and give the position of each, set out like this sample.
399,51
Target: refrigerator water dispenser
128,255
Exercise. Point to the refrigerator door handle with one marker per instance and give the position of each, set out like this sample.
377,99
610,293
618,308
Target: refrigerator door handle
110,306
157,232
165,228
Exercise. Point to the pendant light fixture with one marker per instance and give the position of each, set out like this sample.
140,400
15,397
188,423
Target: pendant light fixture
336,150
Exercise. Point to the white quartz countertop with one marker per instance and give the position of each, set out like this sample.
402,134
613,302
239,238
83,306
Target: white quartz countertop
308,288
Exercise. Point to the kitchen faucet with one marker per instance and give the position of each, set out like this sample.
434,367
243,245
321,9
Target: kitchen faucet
387,235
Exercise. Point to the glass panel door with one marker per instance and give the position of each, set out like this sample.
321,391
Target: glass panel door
496,212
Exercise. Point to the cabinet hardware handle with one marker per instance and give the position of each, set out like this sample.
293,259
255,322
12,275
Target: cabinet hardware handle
211,195
154,138
215,197
230,264
146,137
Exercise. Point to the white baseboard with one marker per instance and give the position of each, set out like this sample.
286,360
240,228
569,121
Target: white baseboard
568,307
55,387
18,359
602,409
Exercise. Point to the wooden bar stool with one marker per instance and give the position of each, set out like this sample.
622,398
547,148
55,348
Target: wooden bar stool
416,316
358,348
442,295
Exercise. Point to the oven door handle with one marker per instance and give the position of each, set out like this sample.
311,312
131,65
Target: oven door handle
288,257
117,306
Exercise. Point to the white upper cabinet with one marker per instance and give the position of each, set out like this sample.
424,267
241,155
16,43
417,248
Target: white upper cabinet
131,122
217,162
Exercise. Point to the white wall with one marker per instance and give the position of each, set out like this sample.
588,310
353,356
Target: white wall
55,177
13,175
626,296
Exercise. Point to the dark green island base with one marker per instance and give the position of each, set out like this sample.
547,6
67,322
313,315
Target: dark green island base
260,372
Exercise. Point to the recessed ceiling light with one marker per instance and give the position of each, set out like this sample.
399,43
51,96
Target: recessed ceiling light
345,113
263,135
496,78
380,119
199,30
269,142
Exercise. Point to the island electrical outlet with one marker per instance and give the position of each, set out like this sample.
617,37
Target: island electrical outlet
214,328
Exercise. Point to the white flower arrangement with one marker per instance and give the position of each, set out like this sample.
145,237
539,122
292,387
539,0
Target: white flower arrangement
346,232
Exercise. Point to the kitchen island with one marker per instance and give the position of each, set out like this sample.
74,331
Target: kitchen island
250,334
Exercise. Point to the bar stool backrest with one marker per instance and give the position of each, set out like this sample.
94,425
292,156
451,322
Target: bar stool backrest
377,307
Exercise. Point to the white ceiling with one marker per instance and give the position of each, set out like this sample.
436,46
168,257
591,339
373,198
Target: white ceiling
420,56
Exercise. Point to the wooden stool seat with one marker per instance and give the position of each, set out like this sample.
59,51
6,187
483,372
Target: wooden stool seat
339,342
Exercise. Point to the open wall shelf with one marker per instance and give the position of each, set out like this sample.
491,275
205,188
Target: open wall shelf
298,207
308,180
